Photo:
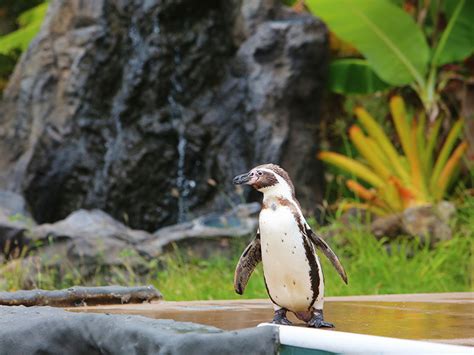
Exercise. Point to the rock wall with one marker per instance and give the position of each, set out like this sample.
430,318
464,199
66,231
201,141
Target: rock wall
146,109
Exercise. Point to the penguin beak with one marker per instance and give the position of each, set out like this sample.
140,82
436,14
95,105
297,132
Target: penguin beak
241,179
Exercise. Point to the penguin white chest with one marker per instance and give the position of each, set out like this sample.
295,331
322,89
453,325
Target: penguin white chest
285,263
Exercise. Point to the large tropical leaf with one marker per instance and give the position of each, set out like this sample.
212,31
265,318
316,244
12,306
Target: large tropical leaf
457,40
354,76
387,36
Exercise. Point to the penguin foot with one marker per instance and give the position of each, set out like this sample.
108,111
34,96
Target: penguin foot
317,321
280,317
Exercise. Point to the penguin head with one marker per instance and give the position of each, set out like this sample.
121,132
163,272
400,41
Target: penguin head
269,179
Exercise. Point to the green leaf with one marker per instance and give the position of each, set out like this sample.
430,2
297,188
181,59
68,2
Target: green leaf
19,39
30,24
445,151
33,16
388,37
354,76
457,40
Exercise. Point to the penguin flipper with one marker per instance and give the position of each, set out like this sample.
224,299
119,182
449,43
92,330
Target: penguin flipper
326,249
249,259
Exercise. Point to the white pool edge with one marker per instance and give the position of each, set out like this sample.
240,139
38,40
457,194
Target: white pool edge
352,343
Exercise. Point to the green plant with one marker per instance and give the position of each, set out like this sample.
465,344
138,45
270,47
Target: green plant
29,24
399,180
395,48
371,264
17,34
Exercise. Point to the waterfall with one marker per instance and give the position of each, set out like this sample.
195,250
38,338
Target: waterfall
115,144
183,184
115,141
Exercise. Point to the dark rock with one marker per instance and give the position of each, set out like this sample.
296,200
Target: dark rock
136,107
205,234
387,226
13,204
88,239
14,222
48,330
83,244
431,223
91,242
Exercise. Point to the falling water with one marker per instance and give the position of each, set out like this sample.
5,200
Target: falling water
115,143
183,184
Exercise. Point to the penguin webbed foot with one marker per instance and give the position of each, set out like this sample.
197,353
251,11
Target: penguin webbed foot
280,317
317,320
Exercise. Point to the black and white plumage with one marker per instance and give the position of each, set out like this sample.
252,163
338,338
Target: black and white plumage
285,244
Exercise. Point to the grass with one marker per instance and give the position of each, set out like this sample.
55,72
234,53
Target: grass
373,267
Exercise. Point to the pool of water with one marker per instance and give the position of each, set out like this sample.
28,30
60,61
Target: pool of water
447,318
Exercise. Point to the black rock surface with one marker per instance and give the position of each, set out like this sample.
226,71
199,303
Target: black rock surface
147,109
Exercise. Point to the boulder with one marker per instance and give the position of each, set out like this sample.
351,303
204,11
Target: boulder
87,241
387,226
35,330
430,222
13,204
205,235
14,221
84,244
147,109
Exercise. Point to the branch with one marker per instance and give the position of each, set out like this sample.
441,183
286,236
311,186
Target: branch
81,296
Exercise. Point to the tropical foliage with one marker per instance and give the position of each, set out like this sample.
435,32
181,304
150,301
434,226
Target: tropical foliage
29,24
395,47
399,180
15,41
371,264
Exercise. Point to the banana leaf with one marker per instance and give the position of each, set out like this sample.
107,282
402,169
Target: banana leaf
389,38
457,41
354,76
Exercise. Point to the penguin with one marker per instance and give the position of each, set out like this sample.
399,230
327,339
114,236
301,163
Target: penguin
285,244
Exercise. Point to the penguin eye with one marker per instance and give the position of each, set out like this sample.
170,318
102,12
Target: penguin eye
259,173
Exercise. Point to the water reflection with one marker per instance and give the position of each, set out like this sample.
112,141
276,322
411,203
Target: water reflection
409,320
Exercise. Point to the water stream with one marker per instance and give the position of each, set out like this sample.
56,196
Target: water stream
183,184
115,142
